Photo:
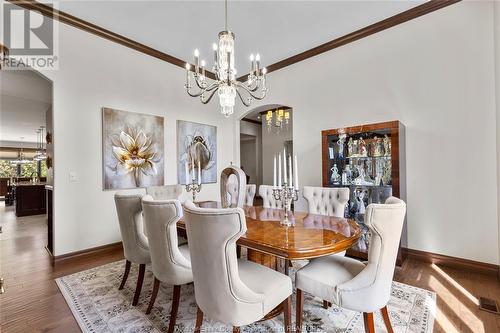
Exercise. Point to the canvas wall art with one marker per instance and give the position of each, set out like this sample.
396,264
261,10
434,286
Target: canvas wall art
133,149
196,145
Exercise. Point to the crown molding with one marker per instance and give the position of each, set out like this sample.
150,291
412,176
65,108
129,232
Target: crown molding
408,15
78,23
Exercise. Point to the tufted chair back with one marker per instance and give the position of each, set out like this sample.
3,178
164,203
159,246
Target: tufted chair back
220,293
161,217
166,192
326,201
268,201
233,183
371,288
135,243
250,194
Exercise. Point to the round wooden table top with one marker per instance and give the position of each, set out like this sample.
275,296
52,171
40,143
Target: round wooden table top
311,236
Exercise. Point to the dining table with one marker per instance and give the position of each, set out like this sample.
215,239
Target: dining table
310,235
274,245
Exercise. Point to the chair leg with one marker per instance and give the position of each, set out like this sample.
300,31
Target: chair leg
125,274
287,312
138,287
156,286
369,324
174,309
387,321
298,314
236,329
199,320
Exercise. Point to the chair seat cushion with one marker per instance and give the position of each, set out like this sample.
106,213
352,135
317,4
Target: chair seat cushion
322,275
184,249
275,287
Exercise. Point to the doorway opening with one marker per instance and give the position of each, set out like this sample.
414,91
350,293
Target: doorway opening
264,133
26,165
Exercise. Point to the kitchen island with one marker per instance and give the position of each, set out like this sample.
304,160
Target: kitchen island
30,199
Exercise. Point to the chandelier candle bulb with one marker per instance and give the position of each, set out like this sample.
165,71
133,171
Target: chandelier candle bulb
203,69
214,47
196,60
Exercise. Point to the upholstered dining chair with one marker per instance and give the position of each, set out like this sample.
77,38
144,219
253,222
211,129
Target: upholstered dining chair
351,284
170,262
135,243
233,183
166,192
268,201
326,201
250,194
234,292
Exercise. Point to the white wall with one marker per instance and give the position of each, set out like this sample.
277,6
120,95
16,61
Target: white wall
93,73
256,131
497,81
436,75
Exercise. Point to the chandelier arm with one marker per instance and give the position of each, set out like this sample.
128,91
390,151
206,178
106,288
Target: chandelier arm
209,97
197,94
246,103
251,91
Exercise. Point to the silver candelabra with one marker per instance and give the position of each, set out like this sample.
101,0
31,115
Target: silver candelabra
193,187
286,194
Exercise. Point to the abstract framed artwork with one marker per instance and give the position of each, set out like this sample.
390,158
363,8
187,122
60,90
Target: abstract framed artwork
133,149
196,145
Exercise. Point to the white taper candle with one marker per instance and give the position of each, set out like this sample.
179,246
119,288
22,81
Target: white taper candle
290,174
279,170
192,169
284,166
296,173
199,173
186,169
274,172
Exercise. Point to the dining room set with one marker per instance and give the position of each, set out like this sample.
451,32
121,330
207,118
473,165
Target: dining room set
201,242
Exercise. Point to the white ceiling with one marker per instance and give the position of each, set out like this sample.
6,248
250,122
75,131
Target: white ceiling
275,29
25,96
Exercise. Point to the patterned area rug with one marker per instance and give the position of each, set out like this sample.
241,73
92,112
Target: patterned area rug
100,307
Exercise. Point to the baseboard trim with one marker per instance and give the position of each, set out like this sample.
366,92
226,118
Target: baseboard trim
99,250
453,262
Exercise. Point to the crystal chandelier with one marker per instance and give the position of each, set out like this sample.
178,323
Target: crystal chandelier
225,83
20,157
40,148
278,118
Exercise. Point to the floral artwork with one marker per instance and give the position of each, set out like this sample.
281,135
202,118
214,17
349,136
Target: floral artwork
196,143
132,149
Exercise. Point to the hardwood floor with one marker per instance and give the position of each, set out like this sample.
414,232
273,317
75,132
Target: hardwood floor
32,301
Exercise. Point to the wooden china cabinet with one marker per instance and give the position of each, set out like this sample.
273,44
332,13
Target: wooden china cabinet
370,160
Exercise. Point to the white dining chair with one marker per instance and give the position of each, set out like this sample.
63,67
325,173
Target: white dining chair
268,201
250,194
326,201
234,292
165,192
171,263
233,183
351,284
135,243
